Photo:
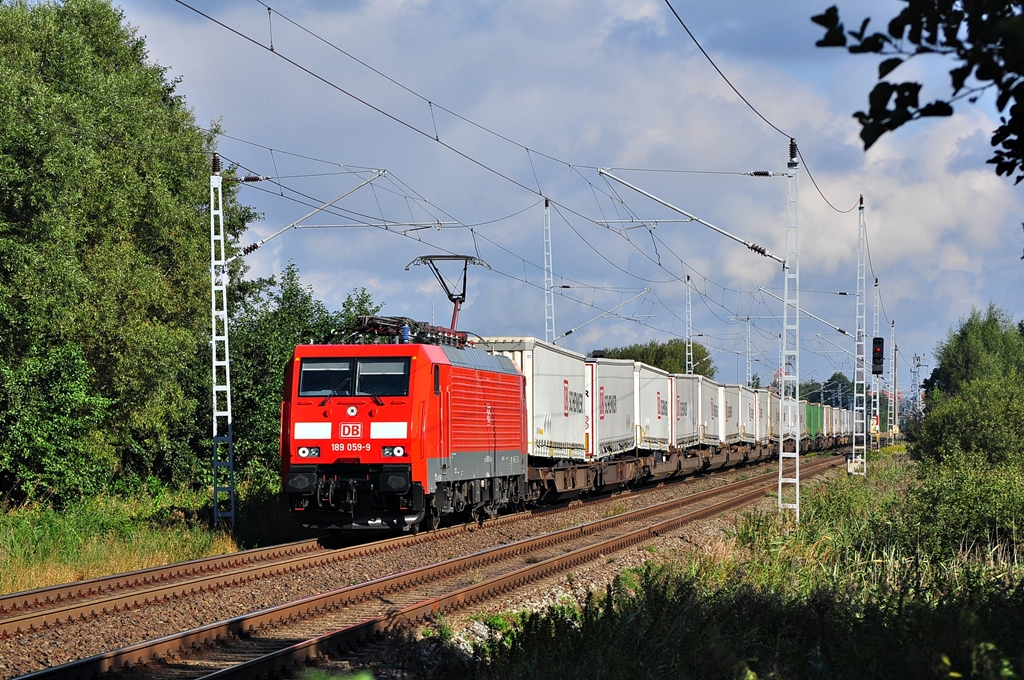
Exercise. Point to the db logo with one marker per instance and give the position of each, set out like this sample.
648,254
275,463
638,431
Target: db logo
350,430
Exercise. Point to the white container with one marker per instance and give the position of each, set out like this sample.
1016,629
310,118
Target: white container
611,402
826,422
652,390
686,410
747,416
710,420
730,413
556,401
762,418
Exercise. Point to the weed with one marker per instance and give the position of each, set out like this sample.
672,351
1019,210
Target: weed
613,510
442,628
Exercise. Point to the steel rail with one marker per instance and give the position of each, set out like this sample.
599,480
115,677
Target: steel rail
48,595
346,638
145,652
53,605
36,619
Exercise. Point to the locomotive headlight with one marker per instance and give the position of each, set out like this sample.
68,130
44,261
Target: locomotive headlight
309,452
303,452
399,450
395,451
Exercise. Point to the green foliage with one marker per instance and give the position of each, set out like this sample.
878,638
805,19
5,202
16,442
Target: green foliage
875,581
837,390
51,420
983,422
669,356
270,317
103,256
982,39
982,346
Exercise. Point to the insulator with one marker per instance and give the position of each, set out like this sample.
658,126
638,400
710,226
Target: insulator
216,163
761,173
251,178
792,149
249,248
760,250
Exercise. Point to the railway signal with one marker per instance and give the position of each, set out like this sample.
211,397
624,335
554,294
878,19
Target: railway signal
877,356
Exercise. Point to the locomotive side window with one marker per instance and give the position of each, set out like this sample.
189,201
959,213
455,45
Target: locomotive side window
383,376
437,379
320,377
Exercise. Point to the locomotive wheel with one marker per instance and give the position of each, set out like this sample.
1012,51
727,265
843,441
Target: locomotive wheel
431,517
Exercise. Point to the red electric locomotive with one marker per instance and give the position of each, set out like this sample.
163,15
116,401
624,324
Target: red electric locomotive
397,434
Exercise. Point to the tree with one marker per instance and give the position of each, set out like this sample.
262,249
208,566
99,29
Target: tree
976,393
669,356
982,346
983,38
104,260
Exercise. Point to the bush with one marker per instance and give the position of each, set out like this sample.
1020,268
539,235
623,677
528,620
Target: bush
983,421
51,439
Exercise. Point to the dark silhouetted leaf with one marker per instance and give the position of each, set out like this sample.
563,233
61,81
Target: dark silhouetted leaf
937,108
887,66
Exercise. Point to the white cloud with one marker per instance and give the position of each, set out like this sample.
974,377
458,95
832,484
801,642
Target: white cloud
611,84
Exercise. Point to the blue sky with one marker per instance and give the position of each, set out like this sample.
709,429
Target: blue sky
597,84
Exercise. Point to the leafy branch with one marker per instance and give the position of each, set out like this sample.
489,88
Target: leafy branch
984,37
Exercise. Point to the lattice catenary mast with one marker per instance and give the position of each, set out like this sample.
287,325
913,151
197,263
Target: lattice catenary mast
876,382
789,374
894,428
750,376
549,279
857,463
915,372
689,330
223,437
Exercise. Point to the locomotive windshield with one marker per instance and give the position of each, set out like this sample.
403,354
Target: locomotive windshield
365,376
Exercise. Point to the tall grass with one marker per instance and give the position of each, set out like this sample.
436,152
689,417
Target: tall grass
103,535
875,581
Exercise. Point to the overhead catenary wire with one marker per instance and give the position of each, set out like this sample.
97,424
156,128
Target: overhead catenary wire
354,170
752,107
396,118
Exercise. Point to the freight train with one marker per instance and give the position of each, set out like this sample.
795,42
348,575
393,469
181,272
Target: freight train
422,423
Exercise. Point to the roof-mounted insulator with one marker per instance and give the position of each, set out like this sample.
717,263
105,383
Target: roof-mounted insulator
216,163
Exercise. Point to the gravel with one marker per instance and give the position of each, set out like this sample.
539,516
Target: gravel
69,641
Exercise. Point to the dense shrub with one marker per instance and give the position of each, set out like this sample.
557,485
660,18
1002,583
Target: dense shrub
983,420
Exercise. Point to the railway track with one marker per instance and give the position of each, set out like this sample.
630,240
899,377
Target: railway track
265,641
44,608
